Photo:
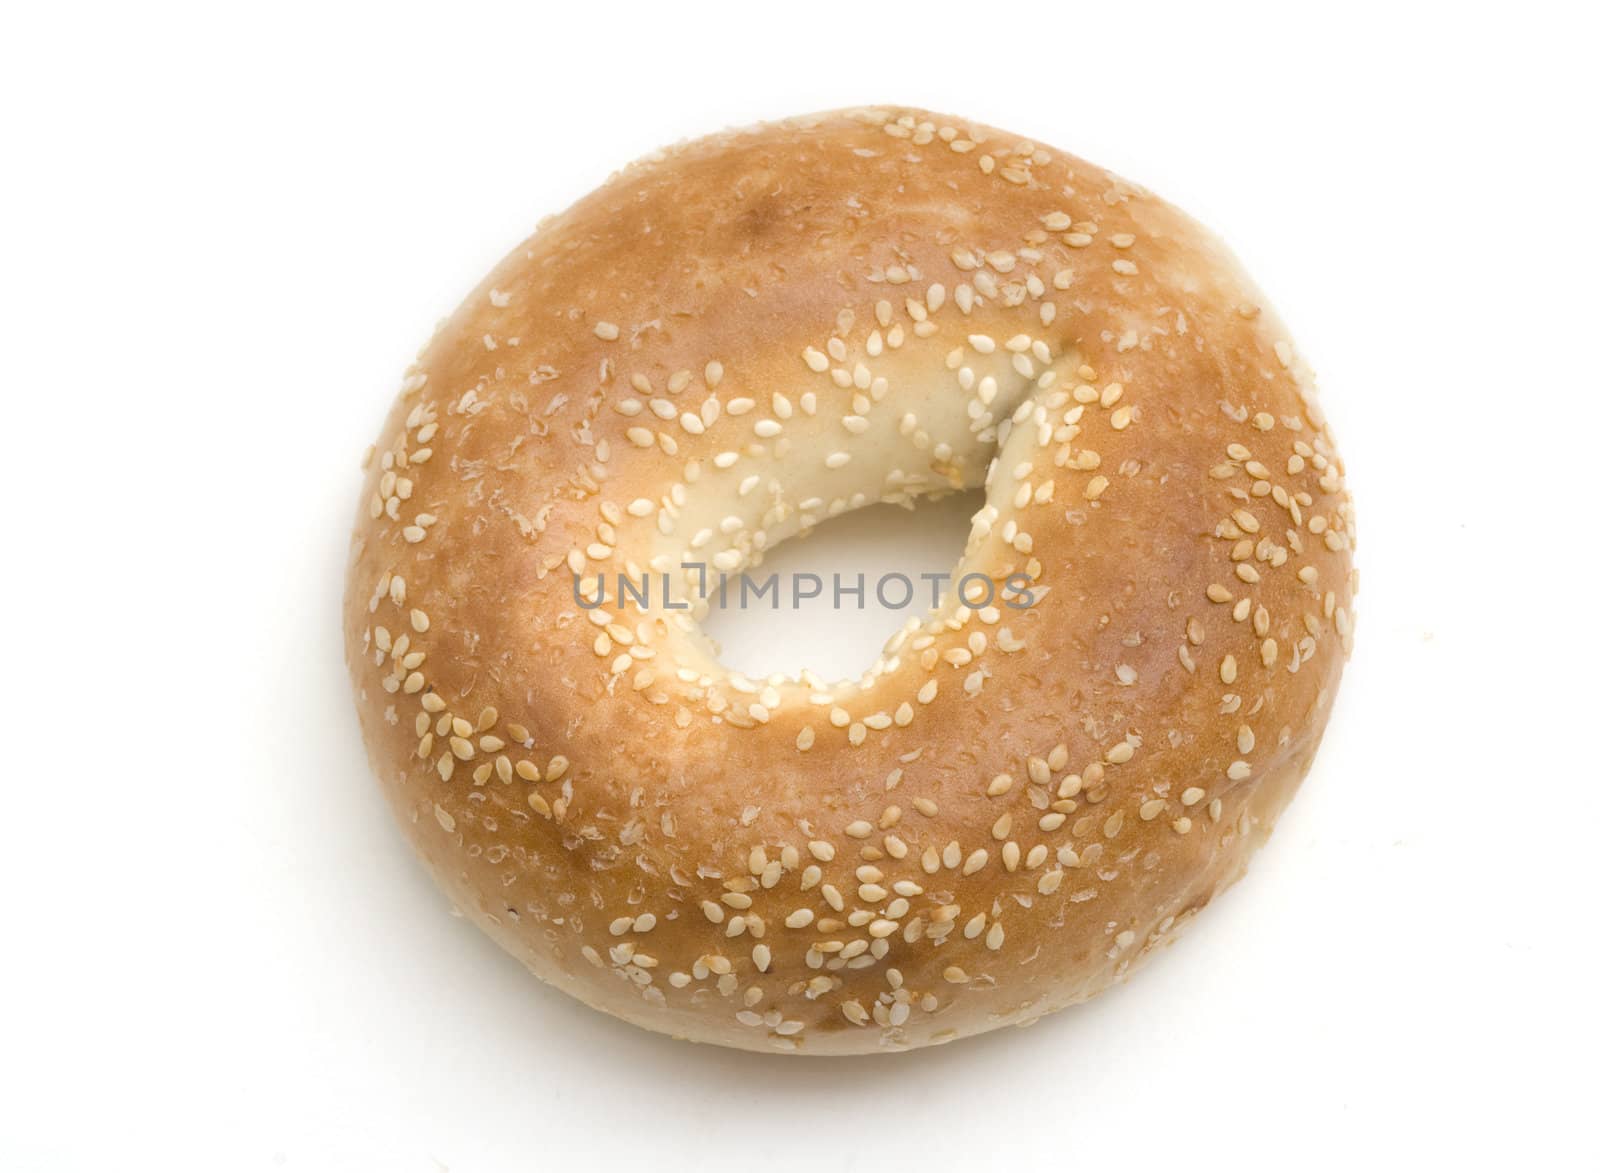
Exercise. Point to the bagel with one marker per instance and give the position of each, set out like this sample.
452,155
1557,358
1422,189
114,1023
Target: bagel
721,347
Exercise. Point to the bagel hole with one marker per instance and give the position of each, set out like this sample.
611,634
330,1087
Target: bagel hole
761,631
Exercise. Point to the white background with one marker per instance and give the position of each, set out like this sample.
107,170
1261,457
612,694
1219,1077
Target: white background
225,233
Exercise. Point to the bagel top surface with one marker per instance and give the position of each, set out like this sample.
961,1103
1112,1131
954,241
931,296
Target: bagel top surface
729,342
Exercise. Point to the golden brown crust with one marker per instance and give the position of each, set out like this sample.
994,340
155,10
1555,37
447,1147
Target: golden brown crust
715,350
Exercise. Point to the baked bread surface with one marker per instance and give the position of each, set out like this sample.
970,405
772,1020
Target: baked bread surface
729,342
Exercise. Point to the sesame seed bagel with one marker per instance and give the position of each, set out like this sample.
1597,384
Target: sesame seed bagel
728,343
